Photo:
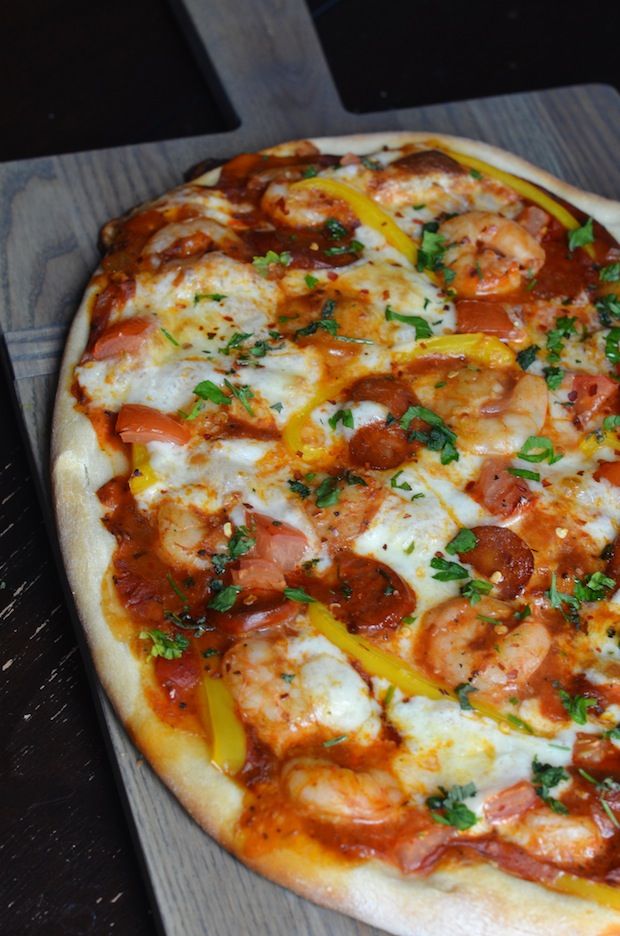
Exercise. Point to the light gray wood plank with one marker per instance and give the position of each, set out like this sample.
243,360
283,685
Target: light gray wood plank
274,72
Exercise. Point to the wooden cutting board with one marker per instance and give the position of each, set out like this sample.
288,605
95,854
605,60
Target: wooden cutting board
273,76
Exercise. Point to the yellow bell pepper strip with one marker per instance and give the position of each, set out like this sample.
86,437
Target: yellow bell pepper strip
368,212
140,462
478,347
291,435
600,893
595,440
225,733
388,666
525,188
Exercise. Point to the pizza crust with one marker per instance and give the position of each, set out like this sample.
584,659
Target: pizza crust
466,900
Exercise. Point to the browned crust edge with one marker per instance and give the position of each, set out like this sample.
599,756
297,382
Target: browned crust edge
471,900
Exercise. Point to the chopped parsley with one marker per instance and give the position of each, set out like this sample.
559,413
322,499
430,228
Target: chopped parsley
612,345
310,172
164,645
544,777
298,594
608,308
327,493
215,297
610,273
263,265
611,422
475,589
277,407
422,328
235,342
576,706
240,542
524,473
564,328
170,338
432,248
557,599
448,807
553,376
464,541
176,589
337,740
287,677
475,174
595,588
311,281
400,485
207,390
538,449
463,692
439,438
345,416
335,229
225,598
606,785
448,571
527,357
243,394
581,236
299,488
354,246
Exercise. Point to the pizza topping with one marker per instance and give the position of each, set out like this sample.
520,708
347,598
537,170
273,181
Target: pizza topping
138,423
338,794
498,549
323,691
488,254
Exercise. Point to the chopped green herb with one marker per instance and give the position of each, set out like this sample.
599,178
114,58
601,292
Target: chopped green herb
594,588
558,599
170,338
438,439
335,229
164,645
464,541
612,346
463,691
544,777
193,413
263,265
608,308
564,328
448,571
610,273
475,589
553,376
345,416
432,248
338,740
422,328
287,677
310,172
210,652
372,164
452,809
207,390
243,394
298,594
523,613
611,422
311,281
298,488
240,542
409,549
475,174
524,473
527,357
176,589
225,599
518,723
613,733
327,493
400,485
277,407
235,342
538,449
353,246
576,706
419,207
581,236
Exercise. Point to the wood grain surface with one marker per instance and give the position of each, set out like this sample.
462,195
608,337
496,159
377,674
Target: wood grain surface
275,77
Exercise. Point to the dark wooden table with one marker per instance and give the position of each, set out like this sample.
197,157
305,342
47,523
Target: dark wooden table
67,859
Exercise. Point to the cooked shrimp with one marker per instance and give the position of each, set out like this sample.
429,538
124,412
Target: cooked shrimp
568,841
490,413
489,254
294,689
188,537
340,794
292,207
459,646
182,239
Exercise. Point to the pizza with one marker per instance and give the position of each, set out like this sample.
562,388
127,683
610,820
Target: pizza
335,458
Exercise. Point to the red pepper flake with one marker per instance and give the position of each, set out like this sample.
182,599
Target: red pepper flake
332,276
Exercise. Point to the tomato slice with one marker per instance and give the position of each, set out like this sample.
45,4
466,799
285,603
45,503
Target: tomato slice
609,471
592,395
259,574
501,550
500,492
138,423
126,336
473,315
510,803
277,542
